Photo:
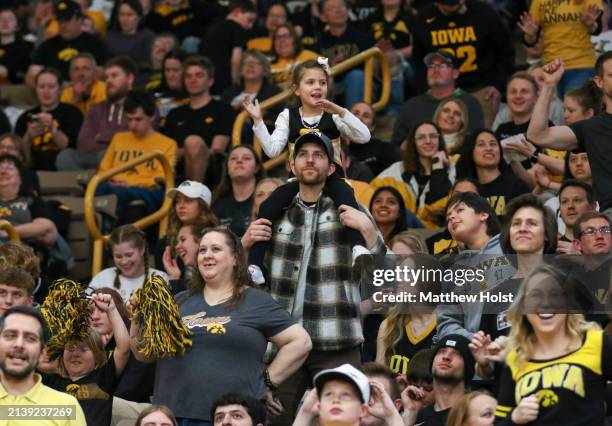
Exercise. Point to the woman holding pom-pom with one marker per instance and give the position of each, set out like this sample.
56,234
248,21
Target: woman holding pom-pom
231,324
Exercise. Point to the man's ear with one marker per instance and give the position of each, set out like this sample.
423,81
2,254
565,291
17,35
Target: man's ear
292,165
577,244
364,411
598,82
30,300
455,73
332,169
483,216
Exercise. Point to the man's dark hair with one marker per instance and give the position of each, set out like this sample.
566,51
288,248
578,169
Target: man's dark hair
479,205
139,98
548,218
126,63
14,277
202,62
588,189
255,408
31,312
419,367
599,64
585,217
244,5
371,369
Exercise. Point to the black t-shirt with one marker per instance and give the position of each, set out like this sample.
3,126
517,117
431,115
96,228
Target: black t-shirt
69,120
500,191
57,52
214,118
218,43
23,209
377,155
15,57
94,392
478,39
430,417
593,135
396,31
359,171
234,214
179,21
346,45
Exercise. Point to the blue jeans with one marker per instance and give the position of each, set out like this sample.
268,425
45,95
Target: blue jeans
352,88
572,79
191,422
153,198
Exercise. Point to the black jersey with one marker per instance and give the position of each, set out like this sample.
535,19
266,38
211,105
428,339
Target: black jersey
570,389
326,125
409,345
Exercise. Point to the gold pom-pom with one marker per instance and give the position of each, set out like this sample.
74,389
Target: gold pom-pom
66,310
162,329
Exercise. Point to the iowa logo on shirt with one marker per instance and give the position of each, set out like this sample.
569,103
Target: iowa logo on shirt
213,325
86,391
564,376
4,212
67,54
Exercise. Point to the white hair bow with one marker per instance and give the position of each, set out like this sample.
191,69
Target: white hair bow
324,62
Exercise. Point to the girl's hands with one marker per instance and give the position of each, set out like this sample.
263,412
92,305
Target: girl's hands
252,107
170,264
330,107
103,302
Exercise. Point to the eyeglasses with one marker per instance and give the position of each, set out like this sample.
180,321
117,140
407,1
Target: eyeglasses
251,63
424,137
441,66
590,231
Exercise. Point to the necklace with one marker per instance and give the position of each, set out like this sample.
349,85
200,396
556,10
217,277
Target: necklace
309,126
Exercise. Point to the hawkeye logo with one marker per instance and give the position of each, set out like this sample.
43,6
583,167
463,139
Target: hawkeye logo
555,376
67,54
213,325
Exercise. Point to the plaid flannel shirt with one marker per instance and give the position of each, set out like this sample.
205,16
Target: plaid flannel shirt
331,300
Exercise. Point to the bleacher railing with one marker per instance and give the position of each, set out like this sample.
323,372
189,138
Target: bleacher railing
10,230
158,216
369,57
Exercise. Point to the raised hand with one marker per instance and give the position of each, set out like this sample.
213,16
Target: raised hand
478,346
589,16
330,107
528,26
170,264
412,398
380,404
553,71
253,108
103,302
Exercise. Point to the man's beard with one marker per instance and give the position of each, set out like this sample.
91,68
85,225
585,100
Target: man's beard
113,97
447,379
311,180
17,374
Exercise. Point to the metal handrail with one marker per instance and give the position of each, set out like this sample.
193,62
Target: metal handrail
158,216
6,226
368,56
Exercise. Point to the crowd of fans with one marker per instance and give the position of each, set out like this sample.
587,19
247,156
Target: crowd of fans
492,156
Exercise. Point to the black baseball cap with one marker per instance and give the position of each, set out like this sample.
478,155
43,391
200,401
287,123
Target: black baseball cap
67,9
446,57
316,137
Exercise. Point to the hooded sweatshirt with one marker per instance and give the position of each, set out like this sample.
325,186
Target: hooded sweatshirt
464,318
101,122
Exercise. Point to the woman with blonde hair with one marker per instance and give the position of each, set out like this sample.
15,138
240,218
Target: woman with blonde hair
557,364
451,116
411,327
473,409
407,243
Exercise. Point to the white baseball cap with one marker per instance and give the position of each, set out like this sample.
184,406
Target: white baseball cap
345,372
192,189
